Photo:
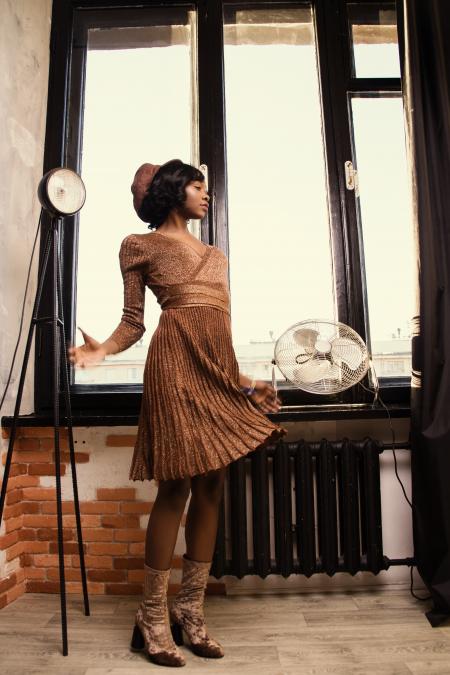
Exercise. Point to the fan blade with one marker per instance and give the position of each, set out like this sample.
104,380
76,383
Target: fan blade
315,370
347,351
306,338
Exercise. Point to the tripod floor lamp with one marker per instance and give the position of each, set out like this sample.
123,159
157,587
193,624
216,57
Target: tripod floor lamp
61,193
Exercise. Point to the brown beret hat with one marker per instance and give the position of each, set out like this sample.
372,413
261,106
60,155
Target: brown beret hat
141,182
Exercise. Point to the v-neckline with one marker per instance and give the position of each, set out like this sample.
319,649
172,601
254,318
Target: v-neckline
166,236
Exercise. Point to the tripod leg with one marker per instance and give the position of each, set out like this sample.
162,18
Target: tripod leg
12,436
65,376
56,367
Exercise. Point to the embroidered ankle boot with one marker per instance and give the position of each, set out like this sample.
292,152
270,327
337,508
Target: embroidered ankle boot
186,612
152,628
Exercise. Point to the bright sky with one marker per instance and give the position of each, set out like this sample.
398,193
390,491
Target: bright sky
138,108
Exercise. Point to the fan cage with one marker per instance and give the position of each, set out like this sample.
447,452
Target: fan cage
321,356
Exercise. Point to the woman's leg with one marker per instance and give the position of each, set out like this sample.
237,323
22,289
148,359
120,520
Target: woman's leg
201,531
164,522
152,630
203,514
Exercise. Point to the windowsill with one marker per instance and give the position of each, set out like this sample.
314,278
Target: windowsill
323,413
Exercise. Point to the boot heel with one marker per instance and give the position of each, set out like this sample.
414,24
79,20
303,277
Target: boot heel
177,633
137,641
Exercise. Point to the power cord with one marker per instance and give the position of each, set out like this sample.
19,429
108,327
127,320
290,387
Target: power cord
23,311
428,597
377,397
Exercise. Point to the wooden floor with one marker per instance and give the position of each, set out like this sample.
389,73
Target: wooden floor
346,633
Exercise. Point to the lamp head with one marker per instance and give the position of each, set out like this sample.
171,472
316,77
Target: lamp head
61,192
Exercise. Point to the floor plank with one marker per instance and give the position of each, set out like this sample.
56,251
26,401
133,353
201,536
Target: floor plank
372,632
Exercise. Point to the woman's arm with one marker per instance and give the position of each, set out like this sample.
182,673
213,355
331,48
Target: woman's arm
91,352
131,326
260,392
245,381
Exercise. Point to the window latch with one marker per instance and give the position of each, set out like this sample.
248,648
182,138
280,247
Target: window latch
204,169
351,177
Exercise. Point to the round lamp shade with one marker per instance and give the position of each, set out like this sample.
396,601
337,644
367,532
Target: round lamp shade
61,192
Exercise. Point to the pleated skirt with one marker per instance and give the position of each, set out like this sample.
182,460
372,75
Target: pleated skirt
194,418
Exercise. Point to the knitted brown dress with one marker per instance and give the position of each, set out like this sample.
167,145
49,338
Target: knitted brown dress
194,416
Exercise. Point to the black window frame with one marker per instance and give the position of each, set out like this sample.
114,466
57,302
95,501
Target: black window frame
63,138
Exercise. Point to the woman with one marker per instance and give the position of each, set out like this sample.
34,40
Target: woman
198,413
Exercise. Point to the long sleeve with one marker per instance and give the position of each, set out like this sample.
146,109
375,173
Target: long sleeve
131,327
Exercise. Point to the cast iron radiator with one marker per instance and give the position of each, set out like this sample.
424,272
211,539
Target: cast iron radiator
303,508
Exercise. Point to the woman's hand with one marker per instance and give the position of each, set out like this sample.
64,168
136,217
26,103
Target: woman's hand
88,354
265,397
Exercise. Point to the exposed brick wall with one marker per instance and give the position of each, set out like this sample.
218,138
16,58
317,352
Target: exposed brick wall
113,529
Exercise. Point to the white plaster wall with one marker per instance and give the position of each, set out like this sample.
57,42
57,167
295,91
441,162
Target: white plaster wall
24,60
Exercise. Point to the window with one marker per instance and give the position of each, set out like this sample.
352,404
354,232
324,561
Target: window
379,150
373,39
383,206
297,112
278,212
138,103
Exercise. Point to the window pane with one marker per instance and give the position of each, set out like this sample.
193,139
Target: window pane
280,257
139,108
374,42
386,221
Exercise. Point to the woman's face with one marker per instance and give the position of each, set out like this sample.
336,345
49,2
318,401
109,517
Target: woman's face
197,200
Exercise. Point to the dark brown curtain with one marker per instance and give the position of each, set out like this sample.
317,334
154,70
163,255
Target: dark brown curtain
426,54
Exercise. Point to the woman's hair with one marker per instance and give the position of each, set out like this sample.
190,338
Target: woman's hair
166,191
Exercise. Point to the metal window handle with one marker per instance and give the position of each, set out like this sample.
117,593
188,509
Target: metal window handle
351,178
204,169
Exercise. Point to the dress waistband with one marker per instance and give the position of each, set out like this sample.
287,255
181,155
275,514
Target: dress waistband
182,295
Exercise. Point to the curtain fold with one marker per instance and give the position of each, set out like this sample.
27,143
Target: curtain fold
426,57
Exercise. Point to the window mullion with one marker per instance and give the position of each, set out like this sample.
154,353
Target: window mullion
73,145
331,150
54,156
212,118
334,70
334,67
